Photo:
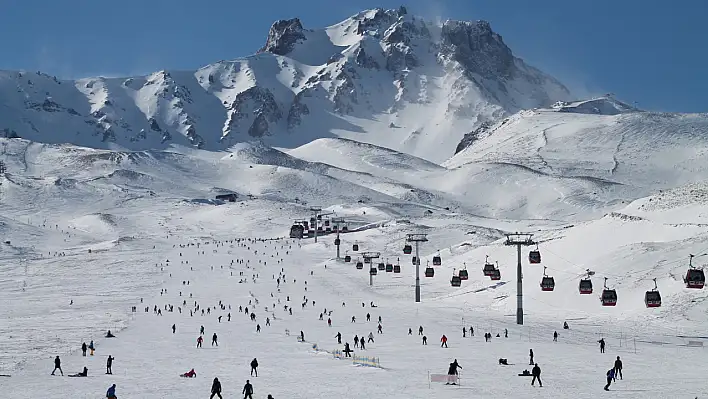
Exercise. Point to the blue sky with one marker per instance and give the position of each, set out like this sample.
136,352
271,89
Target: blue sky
650,51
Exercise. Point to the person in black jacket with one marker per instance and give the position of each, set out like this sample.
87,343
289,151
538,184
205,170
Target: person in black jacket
109,364
536,373
248,390
216,389
453,368
254,366
618,368
57,365
83,348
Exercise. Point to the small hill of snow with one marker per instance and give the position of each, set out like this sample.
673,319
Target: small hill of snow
597,106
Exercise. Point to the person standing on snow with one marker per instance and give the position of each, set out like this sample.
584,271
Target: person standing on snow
254,367
371,337
91,347
453,368
339,338
602,345
356,341
57,365
555,336
380,329
536,373
420,330
618,368
213,340
531,356
199,341
174,328
444,341
83,349
248,390
610,377
109,364
216,389
111,392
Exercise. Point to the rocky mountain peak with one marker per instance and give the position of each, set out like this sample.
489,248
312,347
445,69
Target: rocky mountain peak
284,34
476,47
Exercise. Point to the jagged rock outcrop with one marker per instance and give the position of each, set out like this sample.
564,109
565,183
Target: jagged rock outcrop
477,48
283,36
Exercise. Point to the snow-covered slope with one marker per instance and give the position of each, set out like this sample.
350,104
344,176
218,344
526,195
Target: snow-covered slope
381,76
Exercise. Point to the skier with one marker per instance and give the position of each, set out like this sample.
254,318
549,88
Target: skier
91,347
410,331
368,317
471,331
329,322
254,367
555,336
618,368
362,343
57,365
347,350
109,364
425,340
610,377
356,341
83,349
371,337
213,340
216,389
174,328
536,372
248,390
258,328
201,330
380,329
111,393
420,330
453,368
199,341
353,319
444,341
531,356
339,338
602,345
506,333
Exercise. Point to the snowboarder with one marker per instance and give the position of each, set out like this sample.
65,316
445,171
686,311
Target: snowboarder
565,325
602,345
57,365
254,367
199,341
610,377
111,393
215,389
536,372
531,356
248,390
190,374
109,334
213,340
444,341
618,368
83,349
109,364
83,373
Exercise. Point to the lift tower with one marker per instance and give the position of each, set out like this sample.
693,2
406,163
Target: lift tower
519,240
337,222
417,239
368,256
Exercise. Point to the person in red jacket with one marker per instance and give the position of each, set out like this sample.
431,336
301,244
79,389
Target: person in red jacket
444,341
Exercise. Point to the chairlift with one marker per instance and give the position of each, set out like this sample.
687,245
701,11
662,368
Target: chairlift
359,264
389,267
429,272
652,298
355,247
695,278
455,281
437,261
488,267
535,256
382,266
463,274
547,282
609,297
407,249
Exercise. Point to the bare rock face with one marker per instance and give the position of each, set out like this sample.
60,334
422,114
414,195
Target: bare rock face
257,103
259,127
477,48
297,110
283,36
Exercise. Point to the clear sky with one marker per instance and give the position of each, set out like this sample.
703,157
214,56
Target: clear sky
653,52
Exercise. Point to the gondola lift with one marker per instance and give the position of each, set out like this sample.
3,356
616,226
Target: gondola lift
585,285
429,271
407,249
653,298
488,267
455,281
609,297
397,267
382,266
347,258
355,247
463,273
547,282
496,273
535,256
695,278
437,260
359,264
373,271
389,267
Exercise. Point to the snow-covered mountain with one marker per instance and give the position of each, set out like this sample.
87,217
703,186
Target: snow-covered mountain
381,76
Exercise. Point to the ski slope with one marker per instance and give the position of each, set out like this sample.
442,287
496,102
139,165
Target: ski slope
133,211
